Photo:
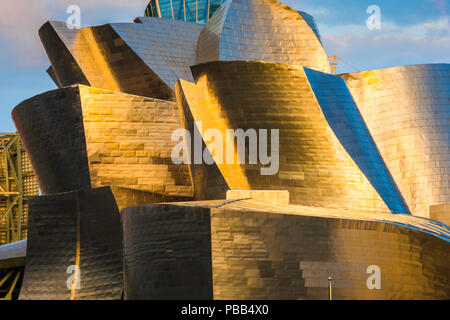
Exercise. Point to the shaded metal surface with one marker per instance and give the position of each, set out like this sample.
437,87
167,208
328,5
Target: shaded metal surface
167,253
51,128
407,110
345,119
313,165
97,56
79,229
261,30
309,19
57,40
166,46
441,213
264,251
80,137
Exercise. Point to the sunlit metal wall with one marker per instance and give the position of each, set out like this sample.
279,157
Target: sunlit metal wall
407,110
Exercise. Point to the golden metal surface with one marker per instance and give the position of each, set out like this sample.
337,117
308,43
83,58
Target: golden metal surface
407,110
314,167
128,142
98,57
111,139
263,250
261,30
441,213
123,57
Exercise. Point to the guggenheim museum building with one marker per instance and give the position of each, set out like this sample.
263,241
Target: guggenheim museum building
356,194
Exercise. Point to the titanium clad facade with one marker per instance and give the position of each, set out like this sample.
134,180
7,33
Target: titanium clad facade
313,165
82,229
167,47
167,254
261,30
345,120
261,250
98,138
98,57
291,174
309,19
407,110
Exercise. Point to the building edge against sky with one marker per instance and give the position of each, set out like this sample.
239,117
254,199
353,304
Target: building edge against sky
236,234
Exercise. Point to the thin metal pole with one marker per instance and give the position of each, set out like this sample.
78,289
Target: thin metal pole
330,288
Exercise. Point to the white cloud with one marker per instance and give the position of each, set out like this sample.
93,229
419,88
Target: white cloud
21,19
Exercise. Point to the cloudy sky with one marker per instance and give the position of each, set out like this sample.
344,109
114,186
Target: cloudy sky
412,32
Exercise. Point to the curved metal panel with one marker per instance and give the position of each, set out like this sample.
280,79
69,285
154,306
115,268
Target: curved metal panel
407,110
166,46
51,128
309,19
261,30
263,250
167,253
344,118
75,235
313,165
100,56
57,39
80,137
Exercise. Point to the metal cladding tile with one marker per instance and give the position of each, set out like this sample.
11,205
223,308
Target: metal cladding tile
102,58
167,251
208,180
407,111
52,74
252,249
166,46
80,136
347,123
312,164
57,39
261,30
75,229
309,19
51,128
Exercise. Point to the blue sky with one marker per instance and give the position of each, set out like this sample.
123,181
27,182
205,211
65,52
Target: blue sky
412,32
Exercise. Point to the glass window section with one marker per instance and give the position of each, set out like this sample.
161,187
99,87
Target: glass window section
154,8
214,5
202,11
166,8
178,10
196,10
191,14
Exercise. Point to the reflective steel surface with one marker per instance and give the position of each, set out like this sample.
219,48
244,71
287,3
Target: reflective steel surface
166,46
261,250
345,119
76,230
407,110
261,30
80,137
313,165
98,57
